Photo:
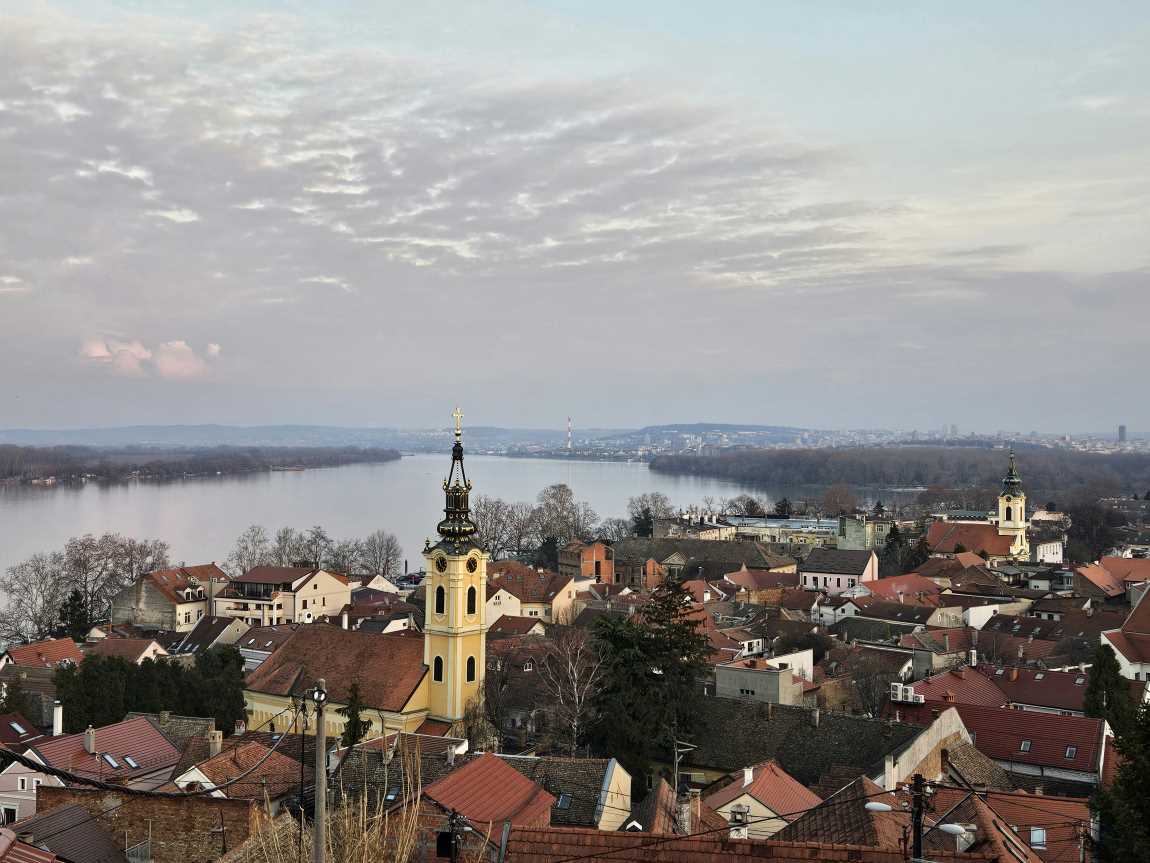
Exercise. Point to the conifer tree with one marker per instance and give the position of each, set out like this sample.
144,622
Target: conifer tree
1123,809
1108,692
355,727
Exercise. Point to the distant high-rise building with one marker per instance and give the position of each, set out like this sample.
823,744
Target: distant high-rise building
1121,434
953,430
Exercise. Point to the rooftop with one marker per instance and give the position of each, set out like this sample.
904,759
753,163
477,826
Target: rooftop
837,561
45,654
489,791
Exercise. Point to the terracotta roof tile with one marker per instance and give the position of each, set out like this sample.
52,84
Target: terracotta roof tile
489,791
525,583
15,731
1129,569
944,536
770,785
173,582
46,654
276,775
130,649
137,739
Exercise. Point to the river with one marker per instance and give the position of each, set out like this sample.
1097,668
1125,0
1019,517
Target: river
200,518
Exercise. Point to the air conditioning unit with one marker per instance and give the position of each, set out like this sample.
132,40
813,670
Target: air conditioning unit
919,699
896,692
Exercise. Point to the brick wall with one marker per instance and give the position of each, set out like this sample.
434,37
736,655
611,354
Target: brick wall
182,831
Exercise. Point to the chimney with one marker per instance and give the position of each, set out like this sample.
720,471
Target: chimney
450,756
946,642
748,776
215,743
90,740
57,718
165,717
1014,673
815,717
683,813
241,727
889,777
973,657
343,619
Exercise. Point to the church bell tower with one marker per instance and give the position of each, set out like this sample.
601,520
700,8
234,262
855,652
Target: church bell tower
1012,512
455,640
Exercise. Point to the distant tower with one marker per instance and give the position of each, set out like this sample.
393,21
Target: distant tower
1012,511
454,640
568,433
1122,434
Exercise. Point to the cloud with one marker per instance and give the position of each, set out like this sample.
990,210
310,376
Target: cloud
174,360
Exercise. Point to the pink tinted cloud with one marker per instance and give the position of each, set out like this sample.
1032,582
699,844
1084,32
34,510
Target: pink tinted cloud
173,360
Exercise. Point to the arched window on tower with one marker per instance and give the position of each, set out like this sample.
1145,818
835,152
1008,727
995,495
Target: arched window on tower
440,599
471,669
1009,514
471,600
437,670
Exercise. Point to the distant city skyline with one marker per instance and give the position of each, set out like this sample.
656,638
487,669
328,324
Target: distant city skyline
847,215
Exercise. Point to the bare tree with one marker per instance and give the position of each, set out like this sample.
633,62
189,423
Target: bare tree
560,516
522,530
839,499
744,504
316,544
872,680
657,504
615,529
252,548
34,591
287,547
570,672
100,567
381,554
493,517
344,556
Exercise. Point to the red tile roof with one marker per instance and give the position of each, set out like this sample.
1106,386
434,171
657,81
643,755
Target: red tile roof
908,587
173,582
15,730
281,575
770,785
12,850
1060,817
511,625
1103,579
1138,621
944,536
961,686
552,845
130,649
388,668
46,654
137,739
525,583
1000,733
762,579
1130,569
276,775
1060,690
489,791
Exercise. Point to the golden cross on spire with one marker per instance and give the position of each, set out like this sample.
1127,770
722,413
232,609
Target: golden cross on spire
458,414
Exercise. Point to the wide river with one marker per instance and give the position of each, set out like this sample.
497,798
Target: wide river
201,518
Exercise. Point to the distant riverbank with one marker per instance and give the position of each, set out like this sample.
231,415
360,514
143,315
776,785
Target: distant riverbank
71,464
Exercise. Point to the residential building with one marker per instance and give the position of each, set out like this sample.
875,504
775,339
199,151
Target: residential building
761,680
863,531
647,562
833,570
770,795
211,632
133,650
269,776
1131,641
132,752
71,834
260,642
271,595
501,601
169,599
50,653
16,732
549,596
588,560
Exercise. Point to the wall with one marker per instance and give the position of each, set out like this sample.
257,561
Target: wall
144,604
763,821
11,797
182,831
500,603
615,799
924,754
261,707
769,685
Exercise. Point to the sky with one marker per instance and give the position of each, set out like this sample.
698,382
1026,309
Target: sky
842,214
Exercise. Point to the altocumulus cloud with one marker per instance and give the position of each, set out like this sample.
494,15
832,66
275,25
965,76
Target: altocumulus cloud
260,187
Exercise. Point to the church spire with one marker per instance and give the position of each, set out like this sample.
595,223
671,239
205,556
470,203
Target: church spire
1012,482
457,526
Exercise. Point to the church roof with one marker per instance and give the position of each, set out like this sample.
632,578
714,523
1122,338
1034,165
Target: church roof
945,536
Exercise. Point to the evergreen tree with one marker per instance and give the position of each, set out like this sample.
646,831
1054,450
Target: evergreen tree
890,558
547,555
1123,809
784,509
219,676
879,509
16,698
1108,692
916,555
74,616
643,522
355,727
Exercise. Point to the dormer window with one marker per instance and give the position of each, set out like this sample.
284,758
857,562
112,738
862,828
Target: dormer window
131,762
1071,752
1024,746
110,760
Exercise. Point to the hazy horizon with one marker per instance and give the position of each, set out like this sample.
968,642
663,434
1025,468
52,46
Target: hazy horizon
850,215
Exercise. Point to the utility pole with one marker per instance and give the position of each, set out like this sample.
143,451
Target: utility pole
917,813
319,820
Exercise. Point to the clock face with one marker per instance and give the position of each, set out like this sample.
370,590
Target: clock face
441,564
472,564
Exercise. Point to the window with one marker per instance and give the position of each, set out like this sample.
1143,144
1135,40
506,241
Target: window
1038,837
440,599
392,794
1071,751
1078,681
305,603
110,760
1039,676
9,814
1024,746
437,670
564,801
471,669
528,665
22,783
1009,514
17,727
131,762
471,600
36,783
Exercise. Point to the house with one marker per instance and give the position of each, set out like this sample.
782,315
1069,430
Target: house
260,642
647,562
40,686
770,795
762,586
133,650
808,743
1098,582
269,776
50,653
283,594
389,670
662,812
1046,691
170,599
501,601
911,587
70,833
763,680
211,632
546,595
132,752
588,560
507,626
1132,570
1131,641
834,570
